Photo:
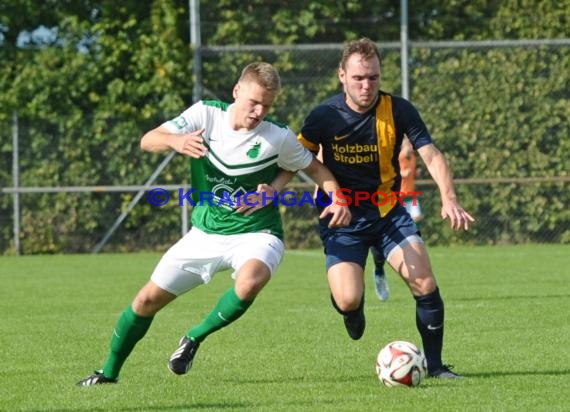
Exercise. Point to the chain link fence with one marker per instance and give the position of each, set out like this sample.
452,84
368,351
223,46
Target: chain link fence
484,103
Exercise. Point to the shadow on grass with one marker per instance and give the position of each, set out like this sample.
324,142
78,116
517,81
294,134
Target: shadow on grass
300,379
177,407
507,297
516,373
189,406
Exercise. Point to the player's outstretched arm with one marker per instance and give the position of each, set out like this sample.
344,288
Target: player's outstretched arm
326,181
161,139
441,174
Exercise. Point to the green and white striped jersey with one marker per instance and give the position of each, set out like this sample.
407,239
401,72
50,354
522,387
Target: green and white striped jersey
236,162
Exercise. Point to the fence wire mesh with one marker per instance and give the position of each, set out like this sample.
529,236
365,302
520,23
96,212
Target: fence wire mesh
499,111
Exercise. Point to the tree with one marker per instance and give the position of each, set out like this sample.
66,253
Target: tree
88,77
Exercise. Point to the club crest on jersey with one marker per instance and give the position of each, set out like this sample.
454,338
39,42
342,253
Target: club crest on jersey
253,152
180,122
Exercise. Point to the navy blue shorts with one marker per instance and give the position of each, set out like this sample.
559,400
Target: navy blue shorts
351,244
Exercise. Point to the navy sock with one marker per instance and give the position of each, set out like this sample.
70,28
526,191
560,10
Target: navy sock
429,321
379,271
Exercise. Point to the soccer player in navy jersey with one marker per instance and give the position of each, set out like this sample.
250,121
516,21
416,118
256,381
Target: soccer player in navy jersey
360,133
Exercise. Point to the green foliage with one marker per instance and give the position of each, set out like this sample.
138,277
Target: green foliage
101,73
298,22
83,105
516,128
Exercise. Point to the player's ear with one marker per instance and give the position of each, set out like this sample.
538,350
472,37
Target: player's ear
341,74
235,91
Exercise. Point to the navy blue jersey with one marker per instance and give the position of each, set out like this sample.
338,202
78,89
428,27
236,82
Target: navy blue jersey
361,149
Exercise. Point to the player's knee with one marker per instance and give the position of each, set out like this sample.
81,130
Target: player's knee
346,303
145,305
249,285
151,299
421,286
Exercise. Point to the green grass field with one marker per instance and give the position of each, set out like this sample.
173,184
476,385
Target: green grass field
507,331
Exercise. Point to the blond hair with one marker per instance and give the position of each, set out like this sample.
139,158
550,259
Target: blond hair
264,74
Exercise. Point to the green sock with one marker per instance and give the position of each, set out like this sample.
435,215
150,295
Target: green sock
228,309
130,328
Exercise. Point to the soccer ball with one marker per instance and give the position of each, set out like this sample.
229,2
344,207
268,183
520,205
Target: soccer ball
401,363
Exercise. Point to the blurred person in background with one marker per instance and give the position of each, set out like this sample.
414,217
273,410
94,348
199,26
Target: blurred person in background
409,172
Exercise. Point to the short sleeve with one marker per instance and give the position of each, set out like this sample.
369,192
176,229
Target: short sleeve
313,128
293,156
191,119
413,125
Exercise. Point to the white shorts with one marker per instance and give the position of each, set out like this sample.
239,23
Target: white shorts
198,256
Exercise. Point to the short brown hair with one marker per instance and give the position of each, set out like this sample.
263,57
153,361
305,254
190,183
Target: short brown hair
265,74
364,46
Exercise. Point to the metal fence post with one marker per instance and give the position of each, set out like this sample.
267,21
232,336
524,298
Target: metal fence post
404,49
16,182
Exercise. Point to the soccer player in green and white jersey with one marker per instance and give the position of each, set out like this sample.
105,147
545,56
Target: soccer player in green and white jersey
233,151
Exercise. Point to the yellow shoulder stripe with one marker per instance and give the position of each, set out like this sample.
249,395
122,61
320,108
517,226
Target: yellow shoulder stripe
309,145
386,133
